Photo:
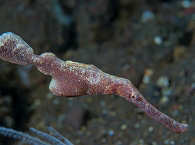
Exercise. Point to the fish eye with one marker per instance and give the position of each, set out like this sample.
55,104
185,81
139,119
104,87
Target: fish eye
133,97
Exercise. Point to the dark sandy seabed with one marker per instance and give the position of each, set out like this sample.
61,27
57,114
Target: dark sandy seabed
150,42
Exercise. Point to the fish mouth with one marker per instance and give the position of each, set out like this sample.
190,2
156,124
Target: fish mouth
155,114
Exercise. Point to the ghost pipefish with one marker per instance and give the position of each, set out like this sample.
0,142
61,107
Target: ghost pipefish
78,79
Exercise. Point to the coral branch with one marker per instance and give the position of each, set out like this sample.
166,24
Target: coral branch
56,139
77,79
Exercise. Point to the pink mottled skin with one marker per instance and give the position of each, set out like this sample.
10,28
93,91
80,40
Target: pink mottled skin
76,79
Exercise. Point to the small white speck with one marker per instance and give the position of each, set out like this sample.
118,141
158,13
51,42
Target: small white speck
147,15
111,132
150,129
172,142
186,3
164,100
158,40
123,127
163,81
